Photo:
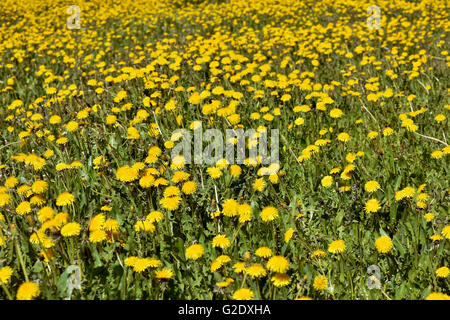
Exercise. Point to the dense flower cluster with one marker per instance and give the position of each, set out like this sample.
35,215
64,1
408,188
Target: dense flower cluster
90,181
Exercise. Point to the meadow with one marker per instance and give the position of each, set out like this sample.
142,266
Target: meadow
93,205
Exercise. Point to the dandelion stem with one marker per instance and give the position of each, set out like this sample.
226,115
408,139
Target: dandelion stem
292,152
8,294
384,293
19,253
235,234
276,193
348,274
418,239
9,144
217,198
258,289
243,280
106,196
424,136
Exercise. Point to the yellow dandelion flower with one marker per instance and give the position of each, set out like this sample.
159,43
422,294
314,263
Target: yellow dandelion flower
320,283
111,225
147,181
141,264
195,251
97,236
170,203
446,232
221,241
230,208
372,205
263,252
223,258
71,229
327,181
97,222
189,187
28,291
62,140
215,265
65,199
371,186
280,280
318,254
428,216
23,208
39,186
344,137
106,208
72,126
239,267
130,261
243,294
269,213
443,272
214,172
256,271
171,191
61,218
336,113
11,182
437,296
336,246
436,237
278,264
127,174
5,274
440,118
164,274
288,234
245,212
5,199
144,225
37,200
47,254
235,171
437,154
372,135
383,244
259,185
154,216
